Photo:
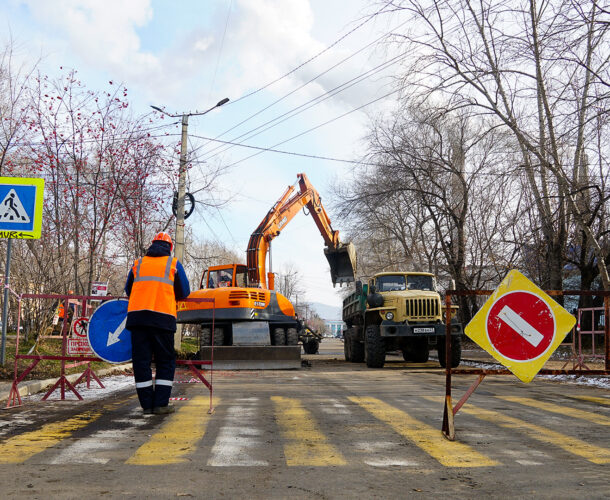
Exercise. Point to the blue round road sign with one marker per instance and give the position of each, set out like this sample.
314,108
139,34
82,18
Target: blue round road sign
107,335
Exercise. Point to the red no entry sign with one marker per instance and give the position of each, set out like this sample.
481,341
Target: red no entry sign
520,325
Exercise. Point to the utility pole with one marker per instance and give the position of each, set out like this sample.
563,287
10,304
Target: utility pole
179,236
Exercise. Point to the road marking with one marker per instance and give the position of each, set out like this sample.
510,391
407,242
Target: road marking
305,444
237,439
595,454
429,439
177,437
522,327
19,448
562,410
593,399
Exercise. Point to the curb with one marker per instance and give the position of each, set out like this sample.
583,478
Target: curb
34,386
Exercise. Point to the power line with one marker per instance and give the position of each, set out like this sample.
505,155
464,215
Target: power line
340,39
305,106
305,84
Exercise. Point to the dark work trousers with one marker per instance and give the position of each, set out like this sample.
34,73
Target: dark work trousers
146,342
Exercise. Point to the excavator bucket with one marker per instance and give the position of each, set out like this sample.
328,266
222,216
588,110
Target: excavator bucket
342,261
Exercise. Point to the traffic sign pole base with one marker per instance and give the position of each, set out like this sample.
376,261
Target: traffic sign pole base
448,421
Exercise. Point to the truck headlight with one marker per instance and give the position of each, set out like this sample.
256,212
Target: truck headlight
389,316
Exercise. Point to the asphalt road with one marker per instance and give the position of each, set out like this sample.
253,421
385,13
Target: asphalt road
331,430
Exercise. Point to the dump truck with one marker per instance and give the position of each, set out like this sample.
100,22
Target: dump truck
237,304
398,311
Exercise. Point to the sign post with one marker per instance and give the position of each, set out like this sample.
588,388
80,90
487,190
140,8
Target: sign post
21,218
520,326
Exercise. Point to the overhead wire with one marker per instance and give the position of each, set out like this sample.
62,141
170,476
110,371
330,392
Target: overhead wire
337,41
305,84
222,42
305,106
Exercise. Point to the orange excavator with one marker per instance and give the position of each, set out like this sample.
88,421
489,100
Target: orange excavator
247,310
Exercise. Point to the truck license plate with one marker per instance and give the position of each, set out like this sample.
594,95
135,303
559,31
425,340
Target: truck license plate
426,329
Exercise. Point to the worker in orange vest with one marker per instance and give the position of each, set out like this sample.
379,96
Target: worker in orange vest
153,285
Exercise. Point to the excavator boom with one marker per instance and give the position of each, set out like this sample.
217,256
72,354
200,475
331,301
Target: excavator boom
341,256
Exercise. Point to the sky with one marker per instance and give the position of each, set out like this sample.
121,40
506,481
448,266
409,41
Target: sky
268,57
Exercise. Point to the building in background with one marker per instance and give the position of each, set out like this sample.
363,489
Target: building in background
334,327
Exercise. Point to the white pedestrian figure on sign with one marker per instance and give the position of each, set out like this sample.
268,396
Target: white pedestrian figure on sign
10,201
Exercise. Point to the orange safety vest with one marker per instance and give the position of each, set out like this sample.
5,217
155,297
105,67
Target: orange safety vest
153,285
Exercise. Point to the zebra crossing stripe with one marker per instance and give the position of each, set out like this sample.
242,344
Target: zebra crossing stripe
562,410
592,453
426,437
177,438
593,399
305,443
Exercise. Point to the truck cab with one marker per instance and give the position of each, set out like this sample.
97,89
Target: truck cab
398,311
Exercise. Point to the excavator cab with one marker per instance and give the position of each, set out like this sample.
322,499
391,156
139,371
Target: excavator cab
232,275
342,261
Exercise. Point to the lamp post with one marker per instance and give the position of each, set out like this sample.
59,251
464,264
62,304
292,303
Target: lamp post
179,237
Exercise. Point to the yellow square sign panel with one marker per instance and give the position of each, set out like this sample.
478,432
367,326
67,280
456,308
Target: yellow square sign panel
520,326
21,200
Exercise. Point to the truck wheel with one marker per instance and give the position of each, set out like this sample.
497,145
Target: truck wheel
347,352
292,337
311,346
417,350
456,351
374,349
279,336
206,337
219,336
357,349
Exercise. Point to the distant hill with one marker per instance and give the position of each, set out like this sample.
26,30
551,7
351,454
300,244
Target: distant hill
327,312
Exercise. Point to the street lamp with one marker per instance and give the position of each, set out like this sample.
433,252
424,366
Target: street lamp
179,237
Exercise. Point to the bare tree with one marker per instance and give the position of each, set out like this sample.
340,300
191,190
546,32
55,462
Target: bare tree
538,70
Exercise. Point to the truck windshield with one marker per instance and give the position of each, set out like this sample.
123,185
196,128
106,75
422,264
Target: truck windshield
391,283
420,283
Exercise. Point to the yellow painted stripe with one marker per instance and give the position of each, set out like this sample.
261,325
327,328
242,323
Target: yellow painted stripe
562,410
24,446
595,454
429,439
593,399
177,437
305,444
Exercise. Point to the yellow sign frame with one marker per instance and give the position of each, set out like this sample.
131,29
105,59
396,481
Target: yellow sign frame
36,231
476,330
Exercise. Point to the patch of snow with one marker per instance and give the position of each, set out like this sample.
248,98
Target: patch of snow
112,384
590,380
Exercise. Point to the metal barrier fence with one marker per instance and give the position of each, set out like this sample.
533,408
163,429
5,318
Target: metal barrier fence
449,411
63,383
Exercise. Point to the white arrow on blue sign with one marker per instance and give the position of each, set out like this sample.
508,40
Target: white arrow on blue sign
108,337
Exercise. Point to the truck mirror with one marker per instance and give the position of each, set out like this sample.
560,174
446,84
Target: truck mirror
372,289
359,287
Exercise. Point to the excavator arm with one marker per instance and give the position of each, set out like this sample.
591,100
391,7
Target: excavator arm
341,257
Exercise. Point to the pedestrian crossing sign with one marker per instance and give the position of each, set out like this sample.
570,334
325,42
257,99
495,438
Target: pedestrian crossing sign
21,200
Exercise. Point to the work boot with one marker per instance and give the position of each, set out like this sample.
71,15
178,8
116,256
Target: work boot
164,410
147,411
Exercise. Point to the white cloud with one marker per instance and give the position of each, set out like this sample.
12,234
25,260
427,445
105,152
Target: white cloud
99,31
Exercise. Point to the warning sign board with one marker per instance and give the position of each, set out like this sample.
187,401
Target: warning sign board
79,327
21,201
520,326
79,346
